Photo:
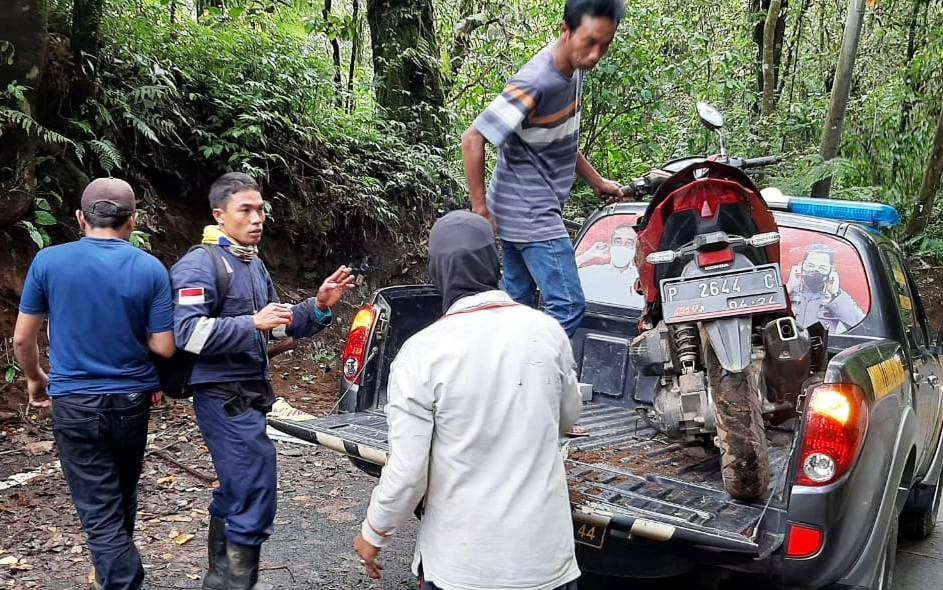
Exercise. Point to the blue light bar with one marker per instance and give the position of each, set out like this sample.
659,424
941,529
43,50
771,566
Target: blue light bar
872,213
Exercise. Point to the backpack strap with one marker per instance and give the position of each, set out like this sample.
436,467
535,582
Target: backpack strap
223,272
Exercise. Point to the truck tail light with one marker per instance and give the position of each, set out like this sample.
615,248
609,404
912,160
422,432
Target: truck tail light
836,419
355,353
804,541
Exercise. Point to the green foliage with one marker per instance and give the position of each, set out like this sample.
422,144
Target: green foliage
10,372
246,88
140,239
38,235
11,117
639,102
249,86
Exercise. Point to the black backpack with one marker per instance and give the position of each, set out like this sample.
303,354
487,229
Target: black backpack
174,373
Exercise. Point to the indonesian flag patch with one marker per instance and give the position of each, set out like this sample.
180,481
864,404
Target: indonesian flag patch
191,296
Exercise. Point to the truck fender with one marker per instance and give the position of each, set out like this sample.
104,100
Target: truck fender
892,499
936,466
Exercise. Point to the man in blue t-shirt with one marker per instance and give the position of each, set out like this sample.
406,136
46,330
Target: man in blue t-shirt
109,306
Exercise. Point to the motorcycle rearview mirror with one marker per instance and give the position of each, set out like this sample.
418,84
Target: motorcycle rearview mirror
663,257
763,240
710,117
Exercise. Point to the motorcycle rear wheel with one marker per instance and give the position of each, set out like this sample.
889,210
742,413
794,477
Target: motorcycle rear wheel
744,453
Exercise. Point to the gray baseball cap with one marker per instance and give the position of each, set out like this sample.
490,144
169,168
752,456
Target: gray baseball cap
108,197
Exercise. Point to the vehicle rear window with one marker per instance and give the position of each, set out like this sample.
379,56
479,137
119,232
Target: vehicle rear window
605,257
826,279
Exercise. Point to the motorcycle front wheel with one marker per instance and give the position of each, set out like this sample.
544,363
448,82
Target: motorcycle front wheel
744,453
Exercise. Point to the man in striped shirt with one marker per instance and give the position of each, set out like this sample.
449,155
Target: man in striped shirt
535,125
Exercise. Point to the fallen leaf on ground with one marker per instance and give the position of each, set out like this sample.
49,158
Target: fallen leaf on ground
183,538
39,447
8,560
169,480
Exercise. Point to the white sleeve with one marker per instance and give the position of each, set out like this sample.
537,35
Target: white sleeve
403,482
571,402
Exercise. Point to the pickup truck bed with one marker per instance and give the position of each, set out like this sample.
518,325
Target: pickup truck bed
623,467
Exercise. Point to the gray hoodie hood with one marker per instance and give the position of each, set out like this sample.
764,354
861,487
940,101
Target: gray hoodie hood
463,257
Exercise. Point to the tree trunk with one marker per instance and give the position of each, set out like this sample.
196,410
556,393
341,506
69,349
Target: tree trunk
931,185
841,87
469,22
86,27
770,65
755,7
335,55
354,56
768,34
911,82
407,67
24,26
792,62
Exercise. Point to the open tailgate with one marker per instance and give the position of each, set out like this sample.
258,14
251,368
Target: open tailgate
655,497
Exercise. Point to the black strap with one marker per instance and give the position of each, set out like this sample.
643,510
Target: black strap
222,274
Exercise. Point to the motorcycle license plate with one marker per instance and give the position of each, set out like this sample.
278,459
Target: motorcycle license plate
757,290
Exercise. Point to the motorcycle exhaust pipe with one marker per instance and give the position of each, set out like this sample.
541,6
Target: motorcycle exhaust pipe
788,358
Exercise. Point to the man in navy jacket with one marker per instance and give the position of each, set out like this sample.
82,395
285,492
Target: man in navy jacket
230,378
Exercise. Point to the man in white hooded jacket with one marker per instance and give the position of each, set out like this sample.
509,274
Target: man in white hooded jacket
477,403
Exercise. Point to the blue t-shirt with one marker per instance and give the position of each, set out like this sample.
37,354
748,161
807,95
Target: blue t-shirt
104,297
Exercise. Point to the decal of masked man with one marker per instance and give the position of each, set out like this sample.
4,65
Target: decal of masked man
816,293
613,282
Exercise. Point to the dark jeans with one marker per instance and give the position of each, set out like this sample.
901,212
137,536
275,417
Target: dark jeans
101,441
570,586
550,266
244,459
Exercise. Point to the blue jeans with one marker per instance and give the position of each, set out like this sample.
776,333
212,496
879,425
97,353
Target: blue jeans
244,458
101,441
551,267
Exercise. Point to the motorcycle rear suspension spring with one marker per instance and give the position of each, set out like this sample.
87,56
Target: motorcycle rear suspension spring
685,337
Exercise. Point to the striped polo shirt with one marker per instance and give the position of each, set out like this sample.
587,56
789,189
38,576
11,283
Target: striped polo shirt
535,125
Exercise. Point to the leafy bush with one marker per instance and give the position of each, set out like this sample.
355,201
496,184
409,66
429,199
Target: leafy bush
244,90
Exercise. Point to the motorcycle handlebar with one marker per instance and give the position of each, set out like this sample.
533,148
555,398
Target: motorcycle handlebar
763,161
647,184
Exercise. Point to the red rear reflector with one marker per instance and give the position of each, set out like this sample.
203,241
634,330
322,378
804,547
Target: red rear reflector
715,257
706,212
836,417
804,541
355,353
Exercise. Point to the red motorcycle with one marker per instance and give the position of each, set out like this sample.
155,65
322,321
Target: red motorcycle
717,328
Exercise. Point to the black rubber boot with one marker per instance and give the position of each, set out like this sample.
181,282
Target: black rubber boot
217,572
244,568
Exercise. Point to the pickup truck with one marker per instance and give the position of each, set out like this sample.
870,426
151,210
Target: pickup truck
647,506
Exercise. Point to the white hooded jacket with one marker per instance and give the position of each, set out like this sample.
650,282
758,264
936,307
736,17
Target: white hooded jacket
477,403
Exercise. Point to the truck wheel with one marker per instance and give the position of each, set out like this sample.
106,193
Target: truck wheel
919,524
741,434
884,580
